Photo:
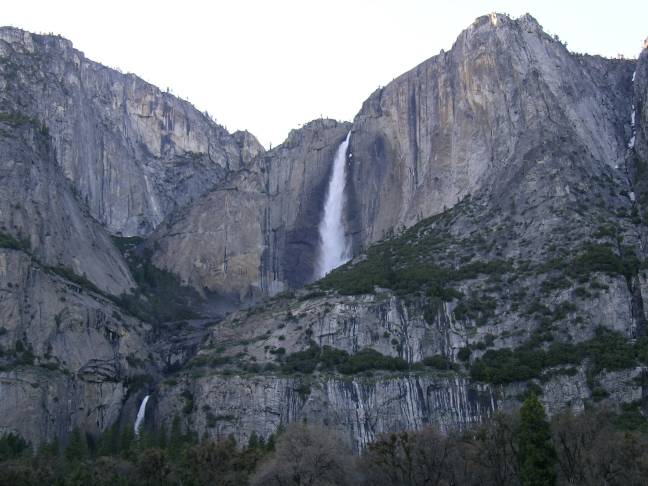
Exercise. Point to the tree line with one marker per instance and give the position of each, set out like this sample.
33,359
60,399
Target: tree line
519,449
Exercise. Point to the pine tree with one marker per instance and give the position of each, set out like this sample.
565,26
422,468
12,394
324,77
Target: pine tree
270,444
162,437
77,448
13,445
253,442
176,438
108,443
49,449
536,453
126,442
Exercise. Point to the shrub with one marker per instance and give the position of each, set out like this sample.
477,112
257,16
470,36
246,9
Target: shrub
328,359
439,362
13,446
8,241
464,353
606,350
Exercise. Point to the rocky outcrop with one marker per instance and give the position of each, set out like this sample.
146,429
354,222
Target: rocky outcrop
360,408
133,153
68,356
639,135
256,234
39,209
450,126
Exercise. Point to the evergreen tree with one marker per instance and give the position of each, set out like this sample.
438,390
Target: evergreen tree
176,438
145,440
162,437
13,445
108,444
126,442
253,442
50,449
270,444
77,448
536,453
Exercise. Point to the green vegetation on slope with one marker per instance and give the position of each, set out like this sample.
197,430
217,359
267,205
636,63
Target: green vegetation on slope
328,359
607,350
159,295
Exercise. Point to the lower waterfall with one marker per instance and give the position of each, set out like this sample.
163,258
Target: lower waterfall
334,248
140,415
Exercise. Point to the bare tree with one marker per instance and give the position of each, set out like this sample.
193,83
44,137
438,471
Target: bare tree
416,458
592,451
494,455
308,456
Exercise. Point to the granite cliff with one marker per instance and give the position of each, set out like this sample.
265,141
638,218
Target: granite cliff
132,152
496,208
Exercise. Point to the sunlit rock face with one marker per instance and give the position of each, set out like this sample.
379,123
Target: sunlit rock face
132,152
450,126
257,233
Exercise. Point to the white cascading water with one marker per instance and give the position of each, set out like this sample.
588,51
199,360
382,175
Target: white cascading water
140,415
334,247
632,120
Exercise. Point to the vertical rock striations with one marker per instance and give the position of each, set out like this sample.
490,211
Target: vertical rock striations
542,248
256,234
455,122
133,153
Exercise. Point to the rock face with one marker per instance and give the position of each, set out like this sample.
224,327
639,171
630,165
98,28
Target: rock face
516,150
38,208
443,129
360,408
256,234
133,153
640,107
538,138
448,128
68,354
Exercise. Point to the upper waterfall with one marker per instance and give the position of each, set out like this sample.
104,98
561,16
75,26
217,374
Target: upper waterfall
334,247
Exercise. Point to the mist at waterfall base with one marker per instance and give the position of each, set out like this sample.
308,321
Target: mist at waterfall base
334,247
140,415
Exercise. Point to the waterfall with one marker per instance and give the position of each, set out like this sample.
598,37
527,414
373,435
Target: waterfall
334,247
140,415
632,119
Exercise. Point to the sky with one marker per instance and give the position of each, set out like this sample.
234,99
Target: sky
269,66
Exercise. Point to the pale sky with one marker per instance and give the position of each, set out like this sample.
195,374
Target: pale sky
271,65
